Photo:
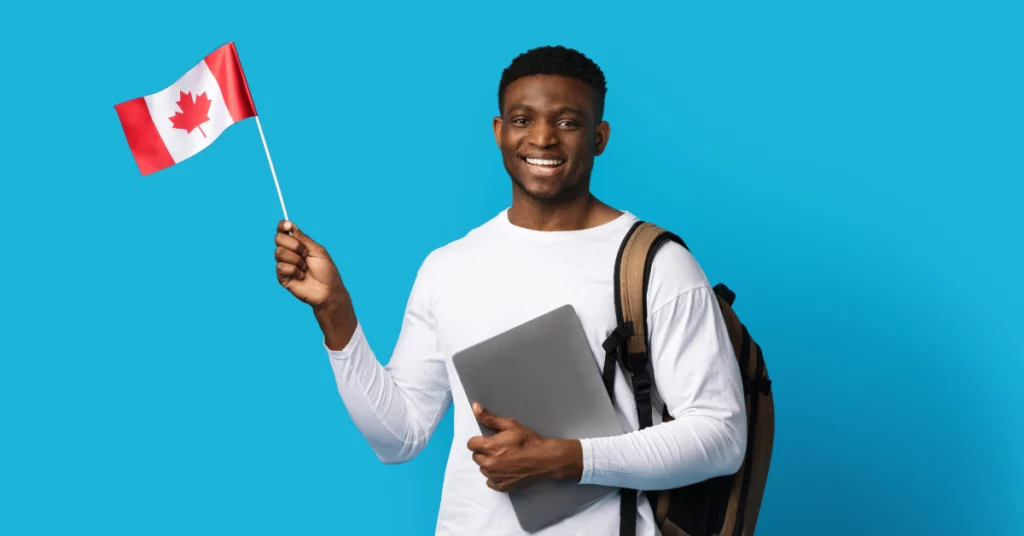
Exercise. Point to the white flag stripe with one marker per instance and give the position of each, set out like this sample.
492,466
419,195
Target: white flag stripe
180,143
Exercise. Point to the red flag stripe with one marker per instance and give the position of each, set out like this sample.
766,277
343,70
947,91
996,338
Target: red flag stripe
144,140
227,69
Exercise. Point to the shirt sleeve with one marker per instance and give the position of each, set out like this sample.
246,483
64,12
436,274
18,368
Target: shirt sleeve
396,406
698,378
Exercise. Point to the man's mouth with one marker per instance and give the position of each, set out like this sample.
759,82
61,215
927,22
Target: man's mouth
543,166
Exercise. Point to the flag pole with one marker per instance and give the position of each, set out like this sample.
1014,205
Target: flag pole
271,162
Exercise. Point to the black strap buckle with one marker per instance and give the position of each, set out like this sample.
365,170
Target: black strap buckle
641,381
642,384
615,339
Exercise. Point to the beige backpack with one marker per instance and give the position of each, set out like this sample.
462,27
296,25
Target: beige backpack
722,506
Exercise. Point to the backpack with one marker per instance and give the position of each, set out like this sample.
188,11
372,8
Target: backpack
722,506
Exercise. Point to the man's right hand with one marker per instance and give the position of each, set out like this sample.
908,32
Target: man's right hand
307,271
305,268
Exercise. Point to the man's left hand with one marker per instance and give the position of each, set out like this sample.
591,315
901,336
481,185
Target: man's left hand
516,457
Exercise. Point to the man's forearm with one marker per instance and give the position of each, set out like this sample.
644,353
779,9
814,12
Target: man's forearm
668,455
337,320
564,458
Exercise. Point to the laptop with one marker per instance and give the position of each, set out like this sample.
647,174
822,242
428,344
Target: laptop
543,374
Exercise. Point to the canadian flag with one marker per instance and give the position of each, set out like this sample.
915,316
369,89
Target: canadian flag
171,125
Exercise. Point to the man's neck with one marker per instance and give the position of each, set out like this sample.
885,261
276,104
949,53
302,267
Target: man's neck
582,212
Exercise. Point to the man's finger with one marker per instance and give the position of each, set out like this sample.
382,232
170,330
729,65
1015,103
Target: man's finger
292,229
493,485
481,461
291,243
478,444
282,254
288,271
491,420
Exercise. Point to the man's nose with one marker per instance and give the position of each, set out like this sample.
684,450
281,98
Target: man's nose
543,135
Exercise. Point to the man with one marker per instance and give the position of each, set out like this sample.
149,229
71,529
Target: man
556,244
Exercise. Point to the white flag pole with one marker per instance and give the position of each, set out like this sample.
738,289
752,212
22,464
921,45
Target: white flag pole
271,162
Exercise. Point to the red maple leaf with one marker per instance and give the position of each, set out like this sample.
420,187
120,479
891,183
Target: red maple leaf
193,112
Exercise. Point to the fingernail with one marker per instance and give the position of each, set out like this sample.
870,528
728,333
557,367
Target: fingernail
287,226
476,407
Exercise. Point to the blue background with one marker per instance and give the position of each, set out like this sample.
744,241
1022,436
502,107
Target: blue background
852,169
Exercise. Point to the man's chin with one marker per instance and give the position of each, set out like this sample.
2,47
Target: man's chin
538,189
545,193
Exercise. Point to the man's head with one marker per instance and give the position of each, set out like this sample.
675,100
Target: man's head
550,124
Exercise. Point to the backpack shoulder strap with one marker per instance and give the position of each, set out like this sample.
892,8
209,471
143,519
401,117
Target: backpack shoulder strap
628,343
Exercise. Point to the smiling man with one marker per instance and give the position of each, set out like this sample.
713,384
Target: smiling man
555,244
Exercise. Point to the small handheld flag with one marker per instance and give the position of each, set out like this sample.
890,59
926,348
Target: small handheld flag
174,124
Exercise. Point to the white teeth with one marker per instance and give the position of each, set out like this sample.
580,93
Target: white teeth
542,162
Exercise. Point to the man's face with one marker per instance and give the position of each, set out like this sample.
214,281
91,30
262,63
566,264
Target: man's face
549,135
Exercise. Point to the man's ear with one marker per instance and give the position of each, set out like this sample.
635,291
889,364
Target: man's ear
497,130
603,131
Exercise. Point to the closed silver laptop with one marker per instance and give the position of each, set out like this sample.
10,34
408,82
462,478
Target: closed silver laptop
543,374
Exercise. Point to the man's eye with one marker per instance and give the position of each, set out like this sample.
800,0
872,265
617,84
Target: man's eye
569,124
519,121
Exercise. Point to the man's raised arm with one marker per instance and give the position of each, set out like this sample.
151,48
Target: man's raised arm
396,407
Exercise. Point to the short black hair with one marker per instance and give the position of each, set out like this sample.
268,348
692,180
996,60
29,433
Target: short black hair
555,60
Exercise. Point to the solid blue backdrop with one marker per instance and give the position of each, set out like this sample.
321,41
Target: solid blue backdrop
852,171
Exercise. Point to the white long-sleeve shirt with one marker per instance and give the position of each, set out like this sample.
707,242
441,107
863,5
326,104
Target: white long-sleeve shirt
499,276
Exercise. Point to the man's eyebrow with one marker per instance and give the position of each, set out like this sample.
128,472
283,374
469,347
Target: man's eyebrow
519,108
561,111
